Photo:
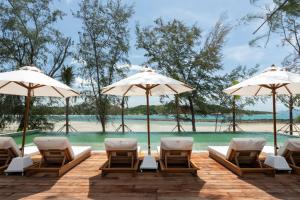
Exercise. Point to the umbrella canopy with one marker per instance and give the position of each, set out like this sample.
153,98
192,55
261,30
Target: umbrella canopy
272,81
146,82
17,83
29,81
136,85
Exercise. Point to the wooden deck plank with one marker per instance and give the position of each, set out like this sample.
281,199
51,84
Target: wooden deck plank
213,182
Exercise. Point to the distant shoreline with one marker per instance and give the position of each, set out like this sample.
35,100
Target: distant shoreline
170,118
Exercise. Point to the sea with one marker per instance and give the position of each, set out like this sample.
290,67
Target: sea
282,115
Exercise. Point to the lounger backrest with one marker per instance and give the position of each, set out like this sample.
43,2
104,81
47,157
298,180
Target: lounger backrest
122,150
120,144
184,144
292,144
245,145
7,143
54,144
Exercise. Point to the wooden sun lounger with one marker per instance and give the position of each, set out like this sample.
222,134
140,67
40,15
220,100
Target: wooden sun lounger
6,155
293,158
56,162
9,150
291,152
243,162
122,156
175,155
177,161
120,161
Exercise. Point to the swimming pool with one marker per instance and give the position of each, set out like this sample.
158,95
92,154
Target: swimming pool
201,139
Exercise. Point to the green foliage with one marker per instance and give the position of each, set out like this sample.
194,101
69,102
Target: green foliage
181,52
104,43
28,37
10,111
292,7
233,77
39,122
27,31
297,119
67,75
283,21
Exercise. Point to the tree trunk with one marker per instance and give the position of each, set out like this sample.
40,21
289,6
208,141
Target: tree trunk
102,121
67,115
233,115
216,124
177,112
192,113
291,107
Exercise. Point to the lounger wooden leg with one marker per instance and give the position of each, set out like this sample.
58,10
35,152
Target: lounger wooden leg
166,161
236,159
259,162
109,160
41,162
64,160
292,159
7,160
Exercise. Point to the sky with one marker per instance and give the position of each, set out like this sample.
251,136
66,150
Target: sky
204,14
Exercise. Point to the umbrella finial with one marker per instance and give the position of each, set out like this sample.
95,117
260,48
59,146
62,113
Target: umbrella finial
273,68
147,69
31,68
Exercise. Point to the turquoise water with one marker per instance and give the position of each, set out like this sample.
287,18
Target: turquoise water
201,140
280,116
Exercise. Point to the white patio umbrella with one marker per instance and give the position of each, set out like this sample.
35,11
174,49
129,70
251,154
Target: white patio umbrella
146,82
272,81
29,81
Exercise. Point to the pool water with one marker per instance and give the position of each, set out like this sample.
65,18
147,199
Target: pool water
201,139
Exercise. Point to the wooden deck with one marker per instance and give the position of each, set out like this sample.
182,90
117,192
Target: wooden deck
213,182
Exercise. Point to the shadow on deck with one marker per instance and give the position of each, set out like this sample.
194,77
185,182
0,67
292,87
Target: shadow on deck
213,182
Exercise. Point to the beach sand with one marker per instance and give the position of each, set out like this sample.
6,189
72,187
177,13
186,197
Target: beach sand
160,126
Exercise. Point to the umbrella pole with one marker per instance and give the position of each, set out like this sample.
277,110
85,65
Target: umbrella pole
148,121
274,120
26,114
177,112
123,126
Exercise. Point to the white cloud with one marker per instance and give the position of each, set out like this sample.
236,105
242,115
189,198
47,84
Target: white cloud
78,62
243,54
131,67
205,19
80,83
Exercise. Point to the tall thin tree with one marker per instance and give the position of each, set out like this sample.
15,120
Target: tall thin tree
67,77
179,51
103,44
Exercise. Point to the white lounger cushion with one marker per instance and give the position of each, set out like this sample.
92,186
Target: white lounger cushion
31,150
292,144
238,144
120,144
80,150
268,150
53,143
220,151
176,143
9,142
